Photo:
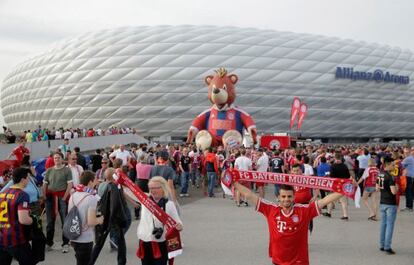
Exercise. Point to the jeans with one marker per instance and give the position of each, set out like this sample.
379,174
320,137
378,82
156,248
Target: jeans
211,177
409,193
50,219
117,239
185,177
195,176
22,253
388,216
83,252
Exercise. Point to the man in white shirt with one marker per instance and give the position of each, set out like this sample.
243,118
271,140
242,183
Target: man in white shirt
122,154
242,163
67,134
262,166
99,131
308,170
363,162
75,169
58,134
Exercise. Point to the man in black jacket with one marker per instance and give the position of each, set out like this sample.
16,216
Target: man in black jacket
339,170
115,211
80,158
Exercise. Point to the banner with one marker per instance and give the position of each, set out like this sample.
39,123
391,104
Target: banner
302,114
294,111
343,186
173,236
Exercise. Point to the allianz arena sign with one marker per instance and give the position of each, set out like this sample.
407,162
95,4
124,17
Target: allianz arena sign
378,75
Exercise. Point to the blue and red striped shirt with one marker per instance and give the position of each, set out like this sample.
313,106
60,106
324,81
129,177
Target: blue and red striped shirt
11,231
217,122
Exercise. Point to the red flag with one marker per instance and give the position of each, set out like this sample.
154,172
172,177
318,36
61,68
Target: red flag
302,114
294,112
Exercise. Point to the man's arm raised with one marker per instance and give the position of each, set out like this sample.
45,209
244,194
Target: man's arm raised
247,193
328,199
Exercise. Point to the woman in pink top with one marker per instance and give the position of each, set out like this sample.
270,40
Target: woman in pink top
143,173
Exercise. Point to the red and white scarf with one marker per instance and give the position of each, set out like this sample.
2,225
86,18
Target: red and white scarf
173,239
83,188
343,186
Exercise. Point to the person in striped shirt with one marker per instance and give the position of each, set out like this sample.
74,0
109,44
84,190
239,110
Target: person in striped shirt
14,219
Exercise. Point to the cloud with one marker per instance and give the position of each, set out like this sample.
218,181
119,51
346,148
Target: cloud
28,27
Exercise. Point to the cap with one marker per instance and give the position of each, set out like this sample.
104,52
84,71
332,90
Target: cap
163,154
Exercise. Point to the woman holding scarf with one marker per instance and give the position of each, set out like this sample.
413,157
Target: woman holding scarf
152,248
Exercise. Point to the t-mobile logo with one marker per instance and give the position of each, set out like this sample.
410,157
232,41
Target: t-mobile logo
281,226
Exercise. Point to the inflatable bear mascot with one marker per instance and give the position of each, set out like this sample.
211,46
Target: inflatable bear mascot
222,123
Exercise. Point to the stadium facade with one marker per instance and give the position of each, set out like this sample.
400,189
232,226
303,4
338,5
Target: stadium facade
151,78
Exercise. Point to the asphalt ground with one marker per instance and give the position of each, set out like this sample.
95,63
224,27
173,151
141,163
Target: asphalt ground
218,232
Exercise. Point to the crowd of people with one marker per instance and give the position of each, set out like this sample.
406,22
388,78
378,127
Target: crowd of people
167,172
45,134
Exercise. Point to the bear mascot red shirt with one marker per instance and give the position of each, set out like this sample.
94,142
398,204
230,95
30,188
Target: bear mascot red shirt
222,117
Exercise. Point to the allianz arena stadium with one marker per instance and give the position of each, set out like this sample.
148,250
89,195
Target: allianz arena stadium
151,78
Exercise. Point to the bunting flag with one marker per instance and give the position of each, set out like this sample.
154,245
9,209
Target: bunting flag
294,111
343,186
173,235
303,110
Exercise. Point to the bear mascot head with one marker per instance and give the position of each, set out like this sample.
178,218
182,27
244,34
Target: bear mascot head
222,120
221,91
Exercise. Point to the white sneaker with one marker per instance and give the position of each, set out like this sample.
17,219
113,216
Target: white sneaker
182,195
186,195
51,248
65,248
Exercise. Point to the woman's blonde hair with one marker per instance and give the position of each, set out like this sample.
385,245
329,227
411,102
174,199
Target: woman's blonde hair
163,183
371,162
109,172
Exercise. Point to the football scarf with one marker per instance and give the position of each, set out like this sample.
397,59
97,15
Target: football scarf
343,186
173,235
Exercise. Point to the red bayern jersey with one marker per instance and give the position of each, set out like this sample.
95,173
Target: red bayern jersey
370,175
217,122
19,152
288,232
12,232
302,194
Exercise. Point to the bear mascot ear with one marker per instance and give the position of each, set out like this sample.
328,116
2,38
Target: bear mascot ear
208,79
233,79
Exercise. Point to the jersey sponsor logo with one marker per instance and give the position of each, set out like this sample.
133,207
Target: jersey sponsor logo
281,226
230,115
222,125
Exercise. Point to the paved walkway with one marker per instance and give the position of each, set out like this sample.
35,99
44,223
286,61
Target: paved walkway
217,232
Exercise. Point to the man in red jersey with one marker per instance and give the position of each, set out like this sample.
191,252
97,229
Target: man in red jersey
19,152
14,215
288,223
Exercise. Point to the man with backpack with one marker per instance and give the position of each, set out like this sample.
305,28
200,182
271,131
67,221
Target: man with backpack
82,218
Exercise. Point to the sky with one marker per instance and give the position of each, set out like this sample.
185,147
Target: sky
29,27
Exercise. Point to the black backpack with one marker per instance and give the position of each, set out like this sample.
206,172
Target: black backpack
72,227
